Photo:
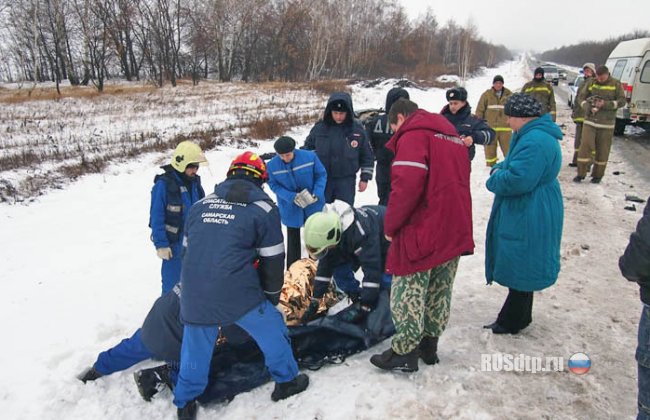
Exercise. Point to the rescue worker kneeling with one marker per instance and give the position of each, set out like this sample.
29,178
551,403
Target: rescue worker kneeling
232,274
344,239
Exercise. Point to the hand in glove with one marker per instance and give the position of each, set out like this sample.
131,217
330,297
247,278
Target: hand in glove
164,253
304,198
311,311
356,313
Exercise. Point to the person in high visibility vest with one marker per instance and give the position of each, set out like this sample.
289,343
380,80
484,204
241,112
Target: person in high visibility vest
542,91
490,108
578,115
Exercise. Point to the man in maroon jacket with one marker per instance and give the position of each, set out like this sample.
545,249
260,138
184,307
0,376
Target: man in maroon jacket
429,220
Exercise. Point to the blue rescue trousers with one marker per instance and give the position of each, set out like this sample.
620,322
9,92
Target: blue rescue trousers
264,323
171,269
124,355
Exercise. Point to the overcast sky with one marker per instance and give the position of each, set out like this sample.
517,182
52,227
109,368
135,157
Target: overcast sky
540,25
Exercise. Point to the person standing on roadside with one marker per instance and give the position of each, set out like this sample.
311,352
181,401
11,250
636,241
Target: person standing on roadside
490,108
542,91
578,114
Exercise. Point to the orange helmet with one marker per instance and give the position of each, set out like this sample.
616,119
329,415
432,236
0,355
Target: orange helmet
251,163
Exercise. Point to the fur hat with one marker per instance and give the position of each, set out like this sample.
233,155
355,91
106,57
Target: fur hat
456,94
339,106
497,78
522,106
284,144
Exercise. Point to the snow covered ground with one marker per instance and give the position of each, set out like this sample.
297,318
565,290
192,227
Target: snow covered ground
79,274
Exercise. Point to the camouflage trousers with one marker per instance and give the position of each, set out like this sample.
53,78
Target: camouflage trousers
420,305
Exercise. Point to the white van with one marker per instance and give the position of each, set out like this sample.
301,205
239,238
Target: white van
629,62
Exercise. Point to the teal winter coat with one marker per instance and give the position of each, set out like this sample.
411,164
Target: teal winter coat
522,245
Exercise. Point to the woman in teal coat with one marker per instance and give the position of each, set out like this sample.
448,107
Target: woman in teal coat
522,250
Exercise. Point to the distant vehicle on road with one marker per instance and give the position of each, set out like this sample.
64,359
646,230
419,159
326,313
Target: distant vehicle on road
563,74
573,88
551,73
629,62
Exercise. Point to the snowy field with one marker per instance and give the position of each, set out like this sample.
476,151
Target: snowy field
80,273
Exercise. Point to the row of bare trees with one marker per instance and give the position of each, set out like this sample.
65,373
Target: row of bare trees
589,51
86,41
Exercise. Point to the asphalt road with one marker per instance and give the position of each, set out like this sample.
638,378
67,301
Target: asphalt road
633,146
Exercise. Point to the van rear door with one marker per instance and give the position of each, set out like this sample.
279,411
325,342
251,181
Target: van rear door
640,103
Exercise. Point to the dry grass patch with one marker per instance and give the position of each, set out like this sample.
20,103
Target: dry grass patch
26,94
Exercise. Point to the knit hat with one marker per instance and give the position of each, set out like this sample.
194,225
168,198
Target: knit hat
539,70
497,78
284,144
590,66
456,94
522,106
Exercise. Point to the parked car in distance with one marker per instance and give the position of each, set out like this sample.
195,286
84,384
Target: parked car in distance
551,74
573,88
563,74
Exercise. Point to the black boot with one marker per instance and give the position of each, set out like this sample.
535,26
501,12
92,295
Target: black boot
90,374
499,329
293,387
153,380
578,178
389,360
429,350
189,411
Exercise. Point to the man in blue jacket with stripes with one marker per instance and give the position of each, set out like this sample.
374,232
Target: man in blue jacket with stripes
233,274
298,178
172,195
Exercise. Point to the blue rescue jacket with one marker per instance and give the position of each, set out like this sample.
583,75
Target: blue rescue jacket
342,148
363,245
288,179
522,244
234,254
170,203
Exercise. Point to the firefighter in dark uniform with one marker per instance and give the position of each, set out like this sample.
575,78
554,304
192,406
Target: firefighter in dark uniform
379,133
342,146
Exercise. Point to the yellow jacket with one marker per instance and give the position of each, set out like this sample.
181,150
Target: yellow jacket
490,108
543,92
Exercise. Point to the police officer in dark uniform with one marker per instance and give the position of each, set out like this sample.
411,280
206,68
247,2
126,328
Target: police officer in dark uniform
379,132
341,145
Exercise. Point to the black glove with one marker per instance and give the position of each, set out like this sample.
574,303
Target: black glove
356,313
311,311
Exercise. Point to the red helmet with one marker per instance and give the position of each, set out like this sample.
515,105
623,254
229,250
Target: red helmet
251,163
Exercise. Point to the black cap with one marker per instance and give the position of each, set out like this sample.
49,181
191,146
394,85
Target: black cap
539,70
456,94
284,144
497,78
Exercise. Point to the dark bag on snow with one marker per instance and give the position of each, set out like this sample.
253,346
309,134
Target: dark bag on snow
238,368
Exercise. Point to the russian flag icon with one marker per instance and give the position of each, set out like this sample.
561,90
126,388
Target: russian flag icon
579,363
